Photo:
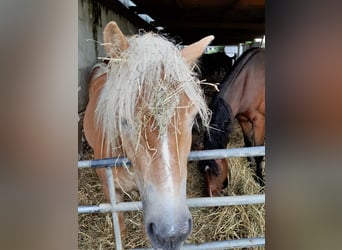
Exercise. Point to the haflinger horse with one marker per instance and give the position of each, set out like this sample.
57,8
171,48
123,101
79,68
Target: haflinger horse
142,106
242,96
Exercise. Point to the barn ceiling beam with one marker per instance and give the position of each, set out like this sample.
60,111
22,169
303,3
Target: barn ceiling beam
216,25
169,14
231,21
222,37
127,13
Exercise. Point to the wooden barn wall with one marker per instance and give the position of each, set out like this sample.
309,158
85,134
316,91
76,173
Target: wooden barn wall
92,17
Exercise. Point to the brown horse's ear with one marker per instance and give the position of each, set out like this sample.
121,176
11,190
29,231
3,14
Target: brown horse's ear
114,41
192,52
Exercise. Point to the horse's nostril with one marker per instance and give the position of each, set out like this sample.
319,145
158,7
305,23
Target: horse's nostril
153,233
169,237
173,242
151,229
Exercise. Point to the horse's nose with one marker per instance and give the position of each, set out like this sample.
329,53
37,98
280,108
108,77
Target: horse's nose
169,237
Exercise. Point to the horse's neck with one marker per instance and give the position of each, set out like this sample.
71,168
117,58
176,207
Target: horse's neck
101,149
234,83
220,126
232,94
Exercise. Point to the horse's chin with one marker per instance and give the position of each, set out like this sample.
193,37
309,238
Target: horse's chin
157,247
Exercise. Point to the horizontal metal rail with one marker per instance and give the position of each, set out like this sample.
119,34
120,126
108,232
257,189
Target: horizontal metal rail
114,207
224,244
191,202
226,153
193,156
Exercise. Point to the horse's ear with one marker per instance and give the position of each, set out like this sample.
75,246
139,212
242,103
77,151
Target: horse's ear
192,52
114,41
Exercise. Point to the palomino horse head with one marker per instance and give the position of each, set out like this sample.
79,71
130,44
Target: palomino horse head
147,108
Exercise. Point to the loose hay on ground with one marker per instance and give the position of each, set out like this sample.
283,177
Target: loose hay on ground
209,224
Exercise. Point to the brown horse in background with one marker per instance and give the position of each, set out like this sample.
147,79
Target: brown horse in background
241,96
142,106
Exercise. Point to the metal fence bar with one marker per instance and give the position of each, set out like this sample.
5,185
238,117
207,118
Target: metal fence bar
226,201
226,153
193,156
120,161
225,244
115,216
191,202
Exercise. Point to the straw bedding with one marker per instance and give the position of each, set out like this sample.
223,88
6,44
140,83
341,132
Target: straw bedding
209,224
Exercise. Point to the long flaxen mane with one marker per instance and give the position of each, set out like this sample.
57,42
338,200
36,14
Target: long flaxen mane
146,81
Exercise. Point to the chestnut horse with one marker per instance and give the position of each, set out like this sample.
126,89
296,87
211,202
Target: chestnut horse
142,106
241,96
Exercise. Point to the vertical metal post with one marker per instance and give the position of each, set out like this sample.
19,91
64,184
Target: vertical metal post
116,225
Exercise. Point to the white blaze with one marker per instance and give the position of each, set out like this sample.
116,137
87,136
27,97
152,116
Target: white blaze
166,159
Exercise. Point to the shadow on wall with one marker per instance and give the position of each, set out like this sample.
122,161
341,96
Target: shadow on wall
92,16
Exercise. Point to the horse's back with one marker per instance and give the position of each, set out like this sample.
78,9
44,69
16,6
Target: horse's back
245,94
255,83
97,80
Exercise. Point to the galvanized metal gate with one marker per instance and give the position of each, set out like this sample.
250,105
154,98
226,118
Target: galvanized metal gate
114,207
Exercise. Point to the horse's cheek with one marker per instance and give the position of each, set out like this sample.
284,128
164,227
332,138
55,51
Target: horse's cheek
212,184
223,168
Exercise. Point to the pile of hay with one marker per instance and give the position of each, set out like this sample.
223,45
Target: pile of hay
209,224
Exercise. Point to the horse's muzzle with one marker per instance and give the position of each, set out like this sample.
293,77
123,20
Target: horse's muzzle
168,236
